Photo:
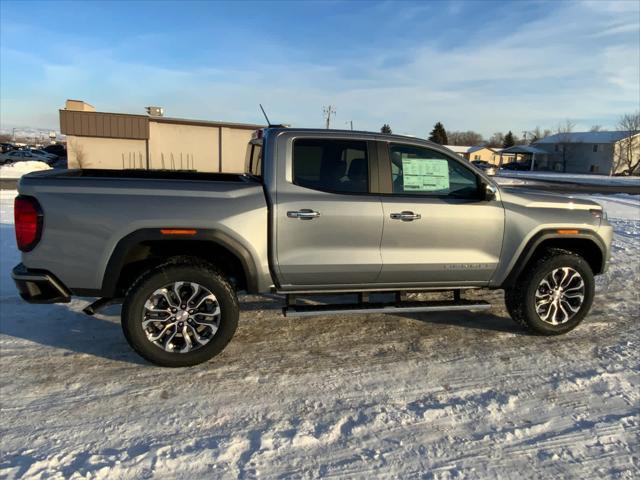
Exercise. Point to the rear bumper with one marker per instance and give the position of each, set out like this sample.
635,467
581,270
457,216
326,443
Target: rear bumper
39,286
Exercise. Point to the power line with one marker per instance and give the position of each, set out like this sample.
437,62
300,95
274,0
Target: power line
327,112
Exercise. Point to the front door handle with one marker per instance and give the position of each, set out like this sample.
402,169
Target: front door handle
304,214
406,216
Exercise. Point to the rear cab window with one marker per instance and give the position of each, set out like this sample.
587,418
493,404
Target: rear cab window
253,161
329,165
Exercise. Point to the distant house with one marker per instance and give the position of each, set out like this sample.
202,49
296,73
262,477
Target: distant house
483,153
477,153
459,149
588,152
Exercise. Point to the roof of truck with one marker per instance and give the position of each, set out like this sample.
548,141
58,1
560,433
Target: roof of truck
352,132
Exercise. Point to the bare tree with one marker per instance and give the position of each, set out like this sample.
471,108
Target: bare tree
597,128
537,134
469,137
564,130
626,152
496,140
76,155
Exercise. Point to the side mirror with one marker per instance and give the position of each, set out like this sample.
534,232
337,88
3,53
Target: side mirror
489,191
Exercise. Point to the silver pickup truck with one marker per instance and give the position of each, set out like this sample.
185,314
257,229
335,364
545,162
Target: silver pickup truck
317,212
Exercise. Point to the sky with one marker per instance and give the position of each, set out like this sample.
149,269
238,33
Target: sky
473,65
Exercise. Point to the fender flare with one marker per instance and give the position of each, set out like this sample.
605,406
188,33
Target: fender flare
543,236
124,246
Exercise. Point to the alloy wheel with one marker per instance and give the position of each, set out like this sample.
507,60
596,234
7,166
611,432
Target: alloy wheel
559,295
181,317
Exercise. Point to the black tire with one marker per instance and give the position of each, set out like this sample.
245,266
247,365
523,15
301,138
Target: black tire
176,270
520,298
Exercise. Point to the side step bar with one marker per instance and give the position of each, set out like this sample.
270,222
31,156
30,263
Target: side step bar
99,304
393,308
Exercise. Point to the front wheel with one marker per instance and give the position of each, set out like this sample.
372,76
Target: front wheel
179,314
553,295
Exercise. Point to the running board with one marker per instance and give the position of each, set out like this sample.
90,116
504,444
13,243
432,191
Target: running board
404,307
99,304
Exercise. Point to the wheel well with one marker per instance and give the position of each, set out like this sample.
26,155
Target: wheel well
584,247
149,254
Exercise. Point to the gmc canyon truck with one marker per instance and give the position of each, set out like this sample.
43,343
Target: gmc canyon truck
317,212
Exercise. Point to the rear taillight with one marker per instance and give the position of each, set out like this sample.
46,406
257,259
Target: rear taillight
28,218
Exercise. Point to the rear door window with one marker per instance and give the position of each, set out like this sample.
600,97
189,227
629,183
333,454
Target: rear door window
340,166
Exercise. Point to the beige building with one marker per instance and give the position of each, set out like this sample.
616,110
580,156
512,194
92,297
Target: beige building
485,154
479,153
119,141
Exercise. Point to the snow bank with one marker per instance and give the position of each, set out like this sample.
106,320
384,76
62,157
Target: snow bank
17,169
571,177
618,206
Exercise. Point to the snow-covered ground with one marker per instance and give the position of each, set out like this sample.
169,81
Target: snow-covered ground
568,177
17,169
455,395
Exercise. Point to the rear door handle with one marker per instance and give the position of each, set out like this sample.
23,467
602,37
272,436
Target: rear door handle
304,214
406,216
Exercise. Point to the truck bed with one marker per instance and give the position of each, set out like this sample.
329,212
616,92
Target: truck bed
88,212
141,174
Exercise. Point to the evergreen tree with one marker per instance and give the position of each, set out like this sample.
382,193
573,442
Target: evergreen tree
509,141
439,134
385,128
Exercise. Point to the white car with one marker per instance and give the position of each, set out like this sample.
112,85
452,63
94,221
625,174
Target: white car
20,155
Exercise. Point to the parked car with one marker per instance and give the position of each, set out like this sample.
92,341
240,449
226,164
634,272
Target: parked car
6,147
56,149
20,155
38,152
318,212
517,166
486,167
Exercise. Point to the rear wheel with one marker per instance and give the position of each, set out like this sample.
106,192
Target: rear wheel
553,295
180,314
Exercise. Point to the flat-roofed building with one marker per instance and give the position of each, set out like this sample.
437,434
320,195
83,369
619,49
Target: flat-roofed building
119,141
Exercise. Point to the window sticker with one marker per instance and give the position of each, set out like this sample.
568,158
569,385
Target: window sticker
425,174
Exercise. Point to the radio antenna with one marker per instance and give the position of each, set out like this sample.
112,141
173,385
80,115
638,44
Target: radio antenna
265,115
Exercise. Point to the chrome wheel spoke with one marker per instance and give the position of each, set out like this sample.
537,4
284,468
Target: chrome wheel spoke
145,323
163,292
196,291
573,309
210,297
158,336
553,308
198,338
187,340
176,290
212,326
577,288
577,295
168,346
215,313
564,314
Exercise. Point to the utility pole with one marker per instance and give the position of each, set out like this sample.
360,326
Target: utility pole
350,123
14,135
327,112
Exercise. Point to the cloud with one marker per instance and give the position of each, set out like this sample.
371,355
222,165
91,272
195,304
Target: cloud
575,61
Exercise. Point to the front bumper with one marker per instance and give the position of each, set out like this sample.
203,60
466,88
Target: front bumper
39,286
